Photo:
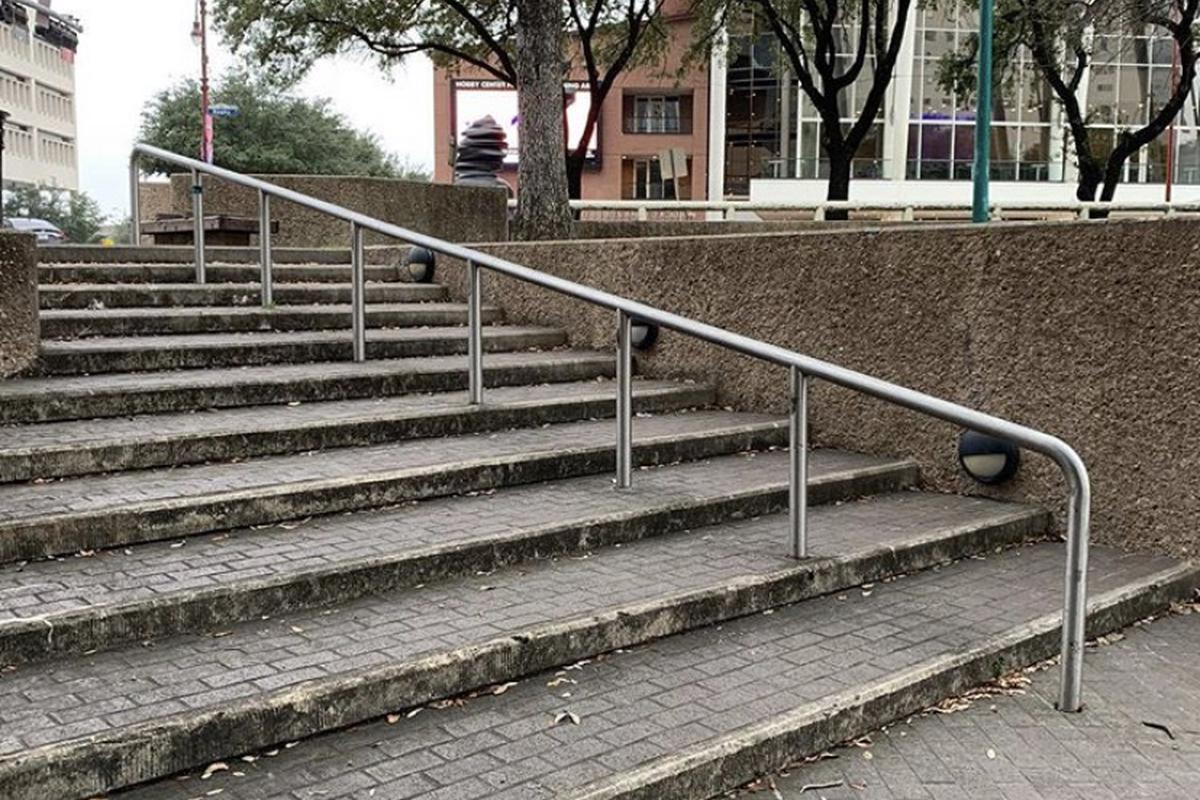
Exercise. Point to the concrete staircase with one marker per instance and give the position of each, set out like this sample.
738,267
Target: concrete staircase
220,537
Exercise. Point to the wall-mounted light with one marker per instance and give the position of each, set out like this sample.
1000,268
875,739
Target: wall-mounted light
421,263
643,334
988,459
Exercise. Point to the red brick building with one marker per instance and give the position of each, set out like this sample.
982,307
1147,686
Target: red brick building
649,111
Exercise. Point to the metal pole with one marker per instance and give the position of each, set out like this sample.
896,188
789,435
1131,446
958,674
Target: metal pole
983,115
264,247
198,223
1075,603
206,121
135,201
358,292
474,333
624,400
798,465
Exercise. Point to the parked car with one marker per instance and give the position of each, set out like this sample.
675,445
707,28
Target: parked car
46,232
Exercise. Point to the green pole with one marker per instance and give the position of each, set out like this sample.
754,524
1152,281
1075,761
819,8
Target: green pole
983,114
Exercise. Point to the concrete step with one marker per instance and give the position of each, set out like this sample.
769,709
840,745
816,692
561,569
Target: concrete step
84,726
690,716
90,513
124,394
339,272
79,447
81,323
184,254
170,295
204,351
149,591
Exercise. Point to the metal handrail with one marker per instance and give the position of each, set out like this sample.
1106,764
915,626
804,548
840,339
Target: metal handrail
802,368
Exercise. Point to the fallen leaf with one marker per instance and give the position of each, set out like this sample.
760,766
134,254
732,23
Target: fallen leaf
563,716
213,768
504,687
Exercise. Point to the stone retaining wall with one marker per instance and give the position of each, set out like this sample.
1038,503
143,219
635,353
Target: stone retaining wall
19,333
1090,331
457,213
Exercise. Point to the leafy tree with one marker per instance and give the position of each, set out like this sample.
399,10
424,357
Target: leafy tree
77,214
273,133
516,41
830,46
1060,37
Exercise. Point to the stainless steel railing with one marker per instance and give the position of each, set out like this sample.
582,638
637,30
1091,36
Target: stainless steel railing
802,369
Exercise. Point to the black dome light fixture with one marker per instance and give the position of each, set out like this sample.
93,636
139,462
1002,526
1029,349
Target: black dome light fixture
421,263
988,459
643,334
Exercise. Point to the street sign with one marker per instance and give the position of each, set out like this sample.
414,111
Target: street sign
224,111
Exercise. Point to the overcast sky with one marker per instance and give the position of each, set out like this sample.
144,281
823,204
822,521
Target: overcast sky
130,49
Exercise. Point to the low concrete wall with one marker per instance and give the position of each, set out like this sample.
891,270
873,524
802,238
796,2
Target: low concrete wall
1090,331
629,229
19,334
456,213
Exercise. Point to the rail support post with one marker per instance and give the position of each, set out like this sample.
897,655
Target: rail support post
198,223
624,400
358,292
474,333
798,464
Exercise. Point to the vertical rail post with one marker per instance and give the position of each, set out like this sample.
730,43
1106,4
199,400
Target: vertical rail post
198,223
474,333
1075,601
358,292
264,247
624,400
135,200
798,464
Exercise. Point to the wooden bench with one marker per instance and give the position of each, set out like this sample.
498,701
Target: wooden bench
219,229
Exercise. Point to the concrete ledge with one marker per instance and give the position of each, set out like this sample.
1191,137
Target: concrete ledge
196,610
99,356
34,400
131,523
19,334
727,762
145,751
125,273
142,296
264,435
78,323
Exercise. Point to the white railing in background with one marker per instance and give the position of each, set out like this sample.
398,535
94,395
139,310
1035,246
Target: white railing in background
899,210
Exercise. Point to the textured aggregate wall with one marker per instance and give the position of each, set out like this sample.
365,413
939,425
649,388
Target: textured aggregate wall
457,213
18,302
1090,331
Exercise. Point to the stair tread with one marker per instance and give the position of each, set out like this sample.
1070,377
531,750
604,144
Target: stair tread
273,373
244,311
249,286
110,577
150,488
151,428
649,702
58,700
263,338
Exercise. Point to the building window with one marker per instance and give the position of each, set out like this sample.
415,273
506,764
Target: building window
642,179
658,113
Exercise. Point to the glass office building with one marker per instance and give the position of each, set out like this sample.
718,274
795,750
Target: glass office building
922,143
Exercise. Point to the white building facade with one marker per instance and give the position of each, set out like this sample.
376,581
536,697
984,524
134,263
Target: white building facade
922,145
37,89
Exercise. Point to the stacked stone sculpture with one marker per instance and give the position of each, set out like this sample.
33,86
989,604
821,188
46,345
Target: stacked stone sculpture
481,154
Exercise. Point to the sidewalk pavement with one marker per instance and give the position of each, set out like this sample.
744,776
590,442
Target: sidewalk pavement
1138,737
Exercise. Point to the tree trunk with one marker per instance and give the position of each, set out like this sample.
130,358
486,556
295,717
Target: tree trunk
575,161
839,181
542,208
